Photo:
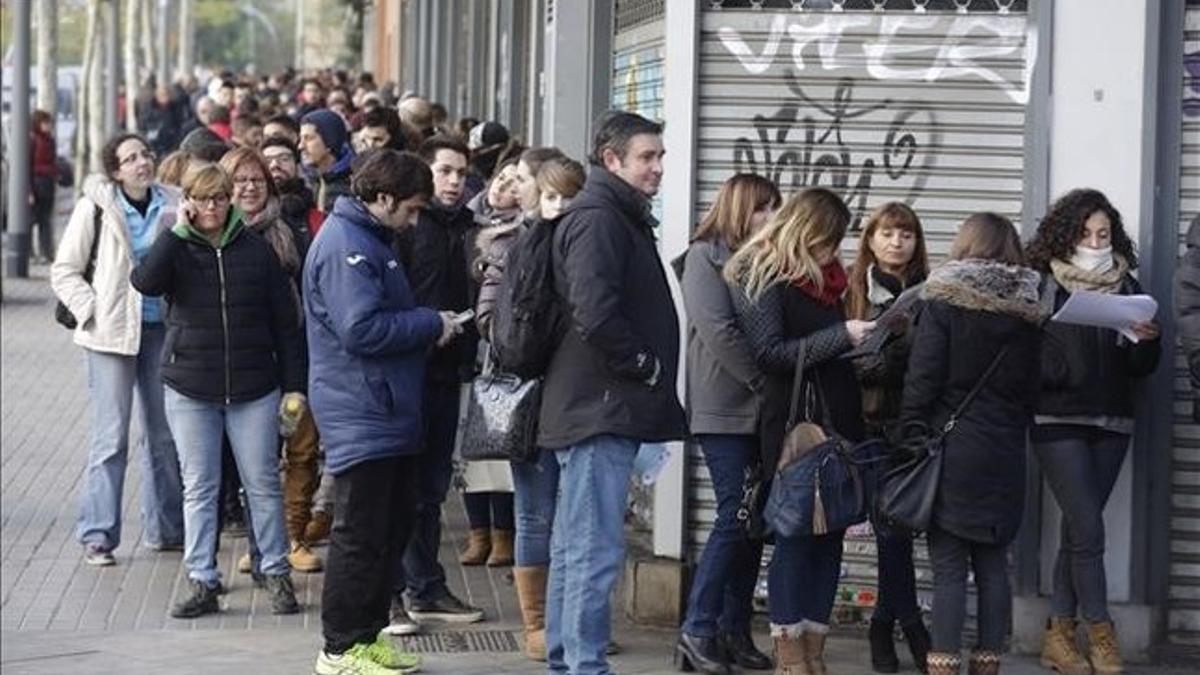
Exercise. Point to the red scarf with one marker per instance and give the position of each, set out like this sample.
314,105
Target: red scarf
835,284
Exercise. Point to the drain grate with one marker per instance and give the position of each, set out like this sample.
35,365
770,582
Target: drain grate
490,641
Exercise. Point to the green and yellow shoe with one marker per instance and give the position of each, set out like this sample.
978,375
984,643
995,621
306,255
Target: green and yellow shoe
385,653
355,661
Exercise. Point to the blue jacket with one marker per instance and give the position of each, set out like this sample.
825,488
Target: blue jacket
367,341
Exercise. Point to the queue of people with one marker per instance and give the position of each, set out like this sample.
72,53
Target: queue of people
321,296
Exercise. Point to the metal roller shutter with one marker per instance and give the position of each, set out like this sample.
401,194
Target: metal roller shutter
919,101
1184,596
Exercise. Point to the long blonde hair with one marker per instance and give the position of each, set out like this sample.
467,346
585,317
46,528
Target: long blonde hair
783,250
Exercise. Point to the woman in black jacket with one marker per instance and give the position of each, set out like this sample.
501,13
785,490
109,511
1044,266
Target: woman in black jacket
1085,414
233,343
980,306
788,296
891,259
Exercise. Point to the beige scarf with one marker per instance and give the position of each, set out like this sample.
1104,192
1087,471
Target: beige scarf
1074,279
271,227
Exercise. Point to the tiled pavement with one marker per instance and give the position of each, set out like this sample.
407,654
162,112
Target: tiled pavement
58,615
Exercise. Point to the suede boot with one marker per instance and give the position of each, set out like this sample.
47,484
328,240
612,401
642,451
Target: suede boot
790,656
1059,649
531,595
943,663
479,546
814,652
984,663
1104,652
502,549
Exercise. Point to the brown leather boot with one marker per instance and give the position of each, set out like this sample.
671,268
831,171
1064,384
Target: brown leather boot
531,595
790,656
1059,649
302,559
1104,652
502,549
984,663
943,663
479,546
814,652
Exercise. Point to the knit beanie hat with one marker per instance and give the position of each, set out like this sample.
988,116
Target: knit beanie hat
330,127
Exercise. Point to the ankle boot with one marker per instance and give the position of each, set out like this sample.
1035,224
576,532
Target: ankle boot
1104,652
984,663
790,656
1059,649
943,663
919,642
739,648
502,549
702,654
814,652
531,595
883,647
479,546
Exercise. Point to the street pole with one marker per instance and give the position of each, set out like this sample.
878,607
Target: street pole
112,78
16,240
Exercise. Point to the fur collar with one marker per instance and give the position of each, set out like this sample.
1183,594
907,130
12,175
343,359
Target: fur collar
988,286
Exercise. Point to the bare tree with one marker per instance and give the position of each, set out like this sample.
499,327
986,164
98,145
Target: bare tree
133,86
46,16
146,29
89,135
187,29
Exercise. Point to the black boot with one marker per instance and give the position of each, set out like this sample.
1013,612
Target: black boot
883,647
699,654
918,640
739,648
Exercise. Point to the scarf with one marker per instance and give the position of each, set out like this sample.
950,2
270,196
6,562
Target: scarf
830,292
1075,278
1092,259
271,227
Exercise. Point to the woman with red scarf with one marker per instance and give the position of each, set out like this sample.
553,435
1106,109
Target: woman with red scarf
788,296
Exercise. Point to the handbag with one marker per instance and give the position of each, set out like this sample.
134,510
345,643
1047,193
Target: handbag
749,515
907,491
501,417
823,483
61,314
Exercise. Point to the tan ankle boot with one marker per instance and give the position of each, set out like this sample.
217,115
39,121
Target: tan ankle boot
943,663
791,656
302,559
502,549
1104,652
1059,649
479,546
984,663
814,652
531,595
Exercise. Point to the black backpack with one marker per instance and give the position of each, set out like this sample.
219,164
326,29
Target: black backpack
528,317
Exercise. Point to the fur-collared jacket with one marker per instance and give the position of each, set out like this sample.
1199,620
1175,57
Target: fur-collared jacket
973,309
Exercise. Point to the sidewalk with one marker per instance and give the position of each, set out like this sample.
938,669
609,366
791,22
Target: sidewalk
58,615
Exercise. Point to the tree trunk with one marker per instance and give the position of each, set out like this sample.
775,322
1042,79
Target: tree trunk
133,86
85,112
186,35
145,28
96,85
46,13
160,28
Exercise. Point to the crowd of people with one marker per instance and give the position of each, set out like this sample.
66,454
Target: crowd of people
309,271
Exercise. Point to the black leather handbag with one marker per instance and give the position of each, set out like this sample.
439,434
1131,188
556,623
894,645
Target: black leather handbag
907,492
62,315
502,417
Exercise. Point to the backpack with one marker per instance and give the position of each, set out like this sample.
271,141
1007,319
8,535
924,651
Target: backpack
528,317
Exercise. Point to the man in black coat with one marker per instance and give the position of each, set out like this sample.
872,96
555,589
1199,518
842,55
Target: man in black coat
610,385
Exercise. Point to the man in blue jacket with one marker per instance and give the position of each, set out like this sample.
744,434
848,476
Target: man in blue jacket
368,342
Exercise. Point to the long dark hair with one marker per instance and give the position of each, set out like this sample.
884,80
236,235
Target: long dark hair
896,215
1062,228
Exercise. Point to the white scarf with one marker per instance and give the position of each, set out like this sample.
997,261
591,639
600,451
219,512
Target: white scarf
1093,259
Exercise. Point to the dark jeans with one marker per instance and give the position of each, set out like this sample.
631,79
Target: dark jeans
803,578
418,572
723,589
897,577
372,515
43,214
1081,465
489,510
951,556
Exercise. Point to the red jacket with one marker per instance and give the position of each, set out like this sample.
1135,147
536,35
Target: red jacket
42,155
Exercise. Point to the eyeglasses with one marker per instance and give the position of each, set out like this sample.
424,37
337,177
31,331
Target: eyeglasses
244,182
215,200
145,154
280,157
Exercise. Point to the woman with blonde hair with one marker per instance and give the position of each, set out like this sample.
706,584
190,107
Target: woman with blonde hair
891,259
722,388
788,295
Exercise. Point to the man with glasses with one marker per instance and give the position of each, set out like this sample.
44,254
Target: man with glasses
296,203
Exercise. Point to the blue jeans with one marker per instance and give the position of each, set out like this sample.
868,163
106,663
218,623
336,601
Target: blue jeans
897,578
112,379
587,549
723,589
803,579
535,489
253,429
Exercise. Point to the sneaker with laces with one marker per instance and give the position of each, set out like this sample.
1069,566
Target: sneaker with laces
203,600
98,556
383,652
445,608
283,595
355,661
400,622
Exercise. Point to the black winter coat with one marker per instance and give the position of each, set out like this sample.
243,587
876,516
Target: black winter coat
1088,370
622,324
973,308
233,333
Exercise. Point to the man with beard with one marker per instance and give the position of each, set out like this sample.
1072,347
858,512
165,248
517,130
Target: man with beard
297,206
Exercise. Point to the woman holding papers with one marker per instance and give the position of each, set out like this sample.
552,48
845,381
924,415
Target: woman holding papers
891,259
1085,414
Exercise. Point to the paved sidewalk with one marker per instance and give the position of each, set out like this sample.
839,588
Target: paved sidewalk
58,615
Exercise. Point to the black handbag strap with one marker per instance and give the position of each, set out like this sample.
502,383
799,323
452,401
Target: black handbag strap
805,397
987,374
90,270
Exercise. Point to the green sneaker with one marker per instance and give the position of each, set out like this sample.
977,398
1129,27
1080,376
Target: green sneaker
354,662
383,652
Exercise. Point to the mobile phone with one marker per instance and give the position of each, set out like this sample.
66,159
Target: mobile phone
463,317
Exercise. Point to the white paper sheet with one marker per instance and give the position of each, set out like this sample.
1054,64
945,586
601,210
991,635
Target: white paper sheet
1107,310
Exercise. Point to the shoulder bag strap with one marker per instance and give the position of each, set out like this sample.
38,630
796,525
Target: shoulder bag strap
987,374
806,394
91,264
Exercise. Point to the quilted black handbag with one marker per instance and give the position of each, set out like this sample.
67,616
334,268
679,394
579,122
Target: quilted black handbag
502,417
62,315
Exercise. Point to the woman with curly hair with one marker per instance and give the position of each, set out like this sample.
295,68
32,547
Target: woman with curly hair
1085,414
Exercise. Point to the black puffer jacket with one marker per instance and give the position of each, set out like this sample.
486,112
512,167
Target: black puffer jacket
622,323
973,308
233,334
1087,370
